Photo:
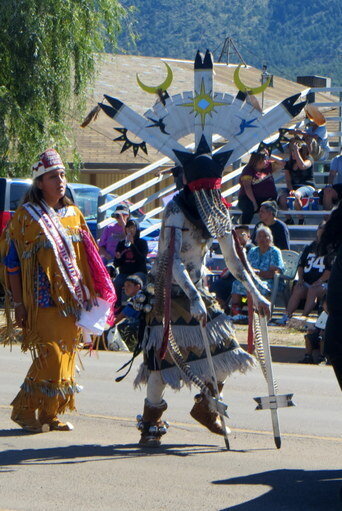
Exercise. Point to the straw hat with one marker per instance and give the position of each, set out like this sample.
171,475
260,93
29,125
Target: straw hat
315,115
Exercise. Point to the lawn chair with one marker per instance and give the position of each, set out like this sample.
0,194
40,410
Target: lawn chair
291,259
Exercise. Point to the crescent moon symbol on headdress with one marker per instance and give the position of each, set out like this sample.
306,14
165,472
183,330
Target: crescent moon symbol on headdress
163,86
244,88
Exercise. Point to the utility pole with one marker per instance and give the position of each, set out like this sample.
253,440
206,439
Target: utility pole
264,77
229,48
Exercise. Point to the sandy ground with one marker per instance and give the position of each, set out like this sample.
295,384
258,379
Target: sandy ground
280,336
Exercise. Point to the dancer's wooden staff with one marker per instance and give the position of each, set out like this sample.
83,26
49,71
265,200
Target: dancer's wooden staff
263,352
272,401
219,405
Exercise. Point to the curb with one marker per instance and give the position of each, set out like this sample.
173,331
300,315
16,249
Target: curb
284,354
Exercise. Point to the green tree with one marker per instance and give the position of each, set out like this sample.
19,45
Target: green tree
47,58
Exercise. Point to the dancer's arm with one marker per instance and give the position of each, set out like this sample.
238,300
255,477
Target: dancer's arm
17,297
174,220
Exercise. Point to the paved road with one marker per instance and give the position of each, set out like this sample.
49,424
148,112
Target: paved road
98,466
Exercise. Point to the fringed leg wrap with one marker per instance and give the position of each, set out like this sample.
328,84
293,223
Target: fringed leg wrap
150,425
24,414
203,412
53,398
49,399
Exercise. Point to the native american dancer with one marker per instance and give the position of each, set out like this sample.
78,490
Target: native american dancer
176,345
184,241
53,272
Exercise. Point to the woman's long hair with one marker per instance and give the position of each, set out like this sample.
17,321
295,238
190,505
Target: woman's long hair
35,195
130,222
331,237
256,158
304,151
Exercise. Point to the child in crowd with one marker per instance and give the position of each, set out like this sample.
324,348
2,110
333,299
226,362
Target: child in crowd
314,341
222,286
123,335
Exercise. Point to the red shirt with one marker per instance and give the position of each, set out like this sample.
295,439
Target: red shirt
263,185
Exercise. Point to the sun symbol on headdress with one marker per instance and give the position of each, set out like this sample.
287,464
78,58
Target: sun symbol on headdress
203,104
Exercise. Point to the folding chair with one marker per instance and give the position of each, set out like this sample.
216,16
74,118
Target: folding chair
290,259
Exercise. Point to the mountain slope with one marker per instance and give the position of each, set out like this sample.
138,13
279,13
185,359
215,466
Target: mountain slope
292,37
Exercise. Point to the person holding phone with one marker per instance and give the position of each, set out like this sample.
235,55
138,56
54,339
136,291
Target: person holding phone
299,179
130,258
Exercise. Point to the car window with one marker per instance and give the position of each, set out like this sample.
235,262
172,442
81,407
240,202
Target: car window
2,193
86,199
17,193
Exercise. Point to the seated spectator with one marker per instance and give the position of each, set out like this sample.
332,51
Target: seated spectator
244,236
130,258
313,275
299,179
222,287
330,196
314,341
113,233
268,216
335,174
332,193
266,260
132,286
315,133
257,185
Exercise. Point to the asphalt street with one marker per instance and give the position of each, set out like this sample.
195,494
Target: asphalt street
99,465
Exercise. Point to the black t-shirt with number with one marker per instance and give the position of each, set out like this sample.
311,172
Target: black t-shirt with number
313,265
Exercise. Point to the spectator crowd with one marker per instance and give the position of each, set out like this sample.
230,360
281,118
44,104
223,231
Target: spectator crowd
267,247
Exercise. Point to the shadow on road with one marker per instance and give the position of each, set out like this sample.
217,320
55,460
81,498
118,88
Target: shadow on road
93,452
293,490
14,432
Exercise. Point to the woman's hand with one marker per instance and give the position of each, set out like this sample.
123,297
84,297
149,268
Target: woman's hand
20,315
255,206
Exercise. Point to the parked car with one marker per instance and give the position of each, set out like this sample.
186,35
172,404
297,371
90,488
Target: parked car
12,191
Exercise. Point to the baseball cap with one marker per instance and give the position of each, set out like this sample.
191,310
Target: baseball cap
121,209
